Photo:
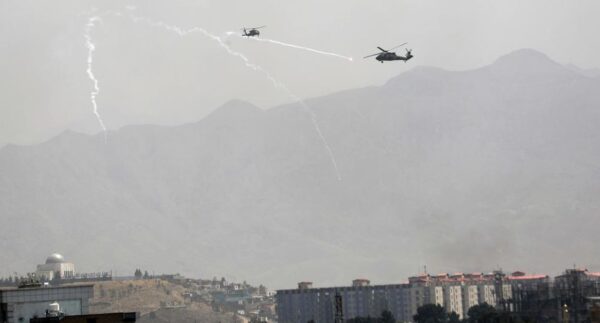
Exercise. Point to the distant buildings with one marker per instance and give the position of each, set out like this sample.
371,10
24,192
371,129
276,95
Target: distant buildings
573,296
455,292
576,289
360,300
55,268
255,303
58,271
22,304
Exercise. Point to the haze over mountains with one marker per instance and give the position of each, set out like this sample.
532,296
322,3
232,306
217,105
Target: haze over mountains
459,171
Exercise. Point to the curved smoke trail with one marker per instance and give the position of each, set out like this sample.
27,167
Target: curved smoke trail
277,42
90,60
183,32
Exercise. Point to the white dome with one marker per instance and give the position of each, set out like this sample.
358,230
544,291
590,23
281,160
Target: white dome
55,258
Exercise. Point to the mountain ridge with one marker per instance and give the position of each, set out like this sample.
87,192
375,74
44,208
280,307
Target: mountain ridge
425,163
519,57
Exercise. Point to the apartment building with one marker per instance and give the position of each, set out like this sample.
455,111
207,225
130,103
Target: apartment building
455,292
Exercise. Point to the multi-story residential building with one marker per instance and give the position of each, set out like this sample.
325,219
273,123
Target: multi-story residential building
487,294
470,296
573,290
454,299
456,293
360,300
532,297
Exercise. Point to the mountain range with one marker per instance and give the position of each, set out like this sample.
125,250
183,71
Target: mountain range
454,170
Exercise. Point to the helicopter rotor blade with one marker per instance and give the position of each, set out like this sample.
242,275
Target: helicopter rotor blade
381,49
371,55
258,27
398,46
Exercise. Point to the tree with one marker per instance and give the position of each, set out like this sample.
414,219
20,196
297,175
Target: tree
431,313
146,276
387,317
363,320
482,313
506,317
138,274
453,318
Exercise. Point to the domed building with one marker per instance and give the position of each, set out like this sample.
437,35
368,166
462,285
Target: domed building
55,267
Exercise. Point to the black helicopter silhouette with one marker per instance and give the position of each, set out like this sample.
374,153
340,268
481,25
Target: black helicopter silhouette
251,32
387,55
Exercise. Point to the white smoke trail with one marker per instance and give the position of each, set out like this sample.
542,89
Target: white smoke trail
183,32
277,42
90,60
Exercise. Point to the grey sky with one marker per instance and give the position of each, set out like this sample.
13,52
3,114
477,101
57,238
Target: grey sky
150,75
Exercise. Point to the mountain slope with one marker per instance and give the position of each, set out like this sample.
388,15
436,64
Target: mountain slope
457,170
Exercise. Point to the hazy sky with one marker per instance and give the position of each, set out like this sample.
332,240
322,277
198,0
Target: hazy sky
151,75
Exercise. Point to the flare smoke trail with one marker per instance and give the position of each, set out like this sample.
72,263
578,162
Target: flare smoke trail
272,41
183,32
90,60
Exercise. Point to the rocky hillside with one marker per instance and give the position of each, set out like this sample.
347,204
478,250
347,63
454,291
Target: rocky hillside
155,300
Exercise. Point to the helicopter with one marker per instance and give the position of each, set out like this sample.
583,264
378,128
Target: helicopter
251,32
387,55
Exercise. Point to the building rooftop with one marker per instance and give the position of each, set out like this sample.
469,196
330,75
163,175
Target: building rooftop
55,258
528,277
5,289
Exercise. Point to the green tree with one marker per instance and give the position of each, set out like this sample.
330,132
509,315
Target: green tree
363,320
387,317
482,313
431,313
506,317
453,318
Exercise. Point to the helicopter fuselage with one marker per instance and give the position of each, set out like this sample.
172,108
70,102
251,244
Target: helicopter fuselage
391,56
251,33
